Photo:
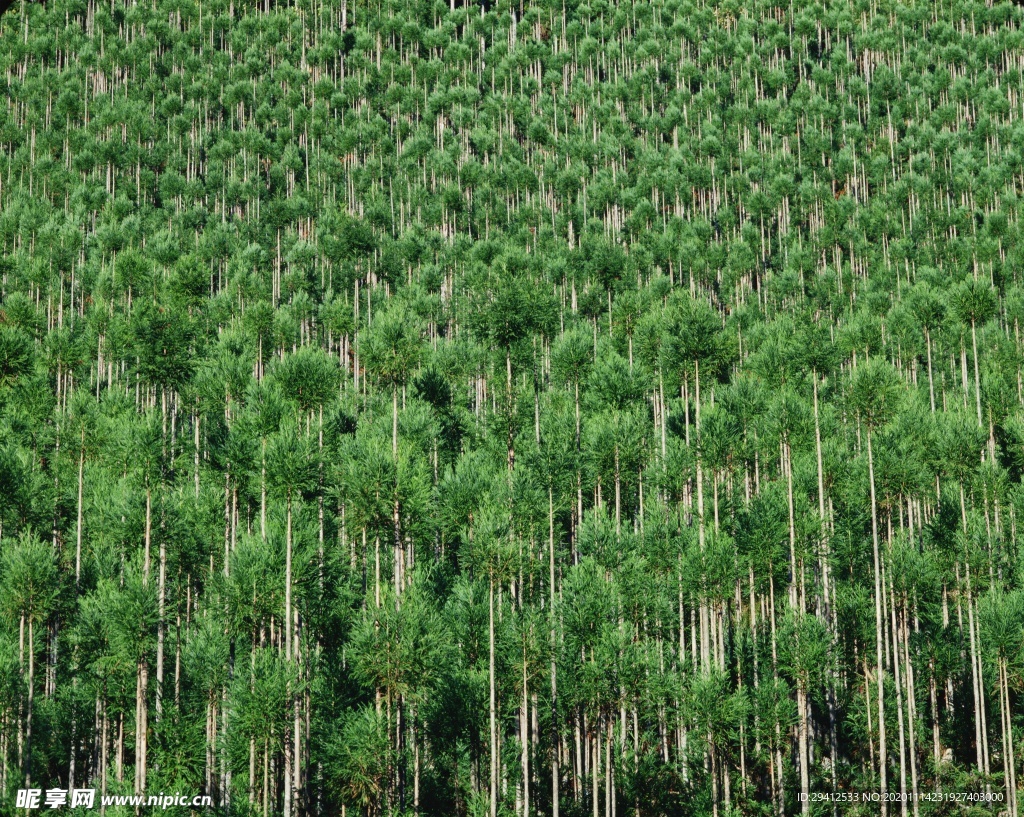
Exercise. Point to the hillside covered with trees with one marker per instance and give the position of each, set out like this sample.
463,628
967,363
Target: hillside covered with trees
551,408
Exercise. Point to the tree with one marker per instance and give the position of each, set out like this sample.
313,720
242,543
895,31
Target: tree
82,416
262,704
973,303
292,470
309,378
364,760
28,591
493,554
263,415
163,344
1002,623
391,349
133,619
875,393
505,312
16,355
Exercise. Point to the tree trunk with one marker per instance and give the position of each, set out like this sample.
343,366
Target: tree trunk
977,377
141,724
148,532
297,783
826,568
286,634
880,665
263,489
511,406
554,646
899,699
931,382
30,701
524,728
911,710
802,736
618,494
266,775
975,680
493,703
705,654
78,526
394,421
1009,763
161,624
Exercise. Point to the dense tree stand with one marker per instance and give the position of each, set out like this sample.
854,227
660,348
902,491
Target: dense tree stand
516,409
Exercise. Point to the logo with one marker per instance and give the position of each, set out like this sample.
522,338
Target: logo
55,798
86,798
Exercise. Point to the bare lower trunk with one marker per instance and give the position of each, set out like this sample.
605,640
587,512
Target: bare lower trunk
141,724
554,643
30,702
290,754
1009,763
78,527
161,625
492,707
879,662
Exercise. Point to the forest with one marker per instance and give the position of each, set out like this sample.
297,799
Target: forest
578,408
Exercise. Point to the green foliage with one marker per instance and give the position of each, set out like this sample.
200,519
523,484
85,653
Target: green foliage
28,579
573,356
391,347
363,759
16,355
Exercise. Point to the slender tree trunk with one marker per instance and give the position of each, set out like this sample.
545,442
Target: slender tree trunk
511,407
664,416
826,568
579,474
161,624
777,769
802,738
394,421
266,775
931,381
493,703
415,763
30,701
880,664
74,737
899,699
705,654
618,493
297,753
524,726
609,778
975,686
148,532
554,646
977,377
263,489
978,683
78,526
119,762
289,749
1009,763
141,724
208,737
104,759
911,710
